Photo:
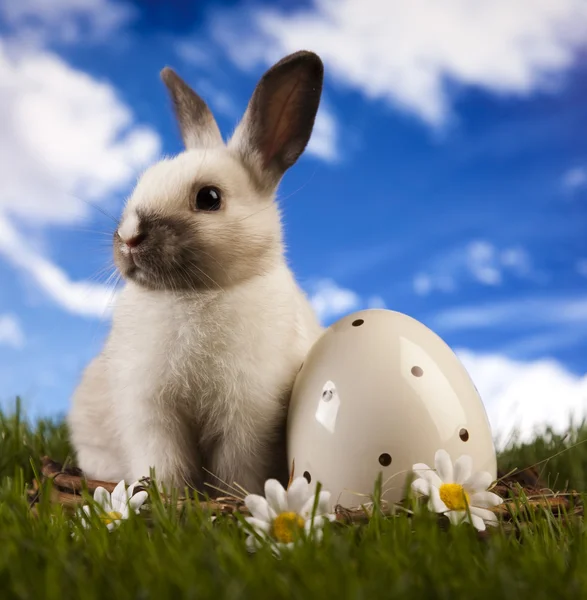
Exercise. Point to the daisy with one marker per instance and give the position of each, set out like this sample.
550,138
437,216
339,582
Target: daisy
114,508
283,514
456,491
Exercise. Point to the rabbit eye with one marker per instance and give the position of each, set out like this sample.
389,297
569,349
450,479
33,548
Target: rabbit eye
208,198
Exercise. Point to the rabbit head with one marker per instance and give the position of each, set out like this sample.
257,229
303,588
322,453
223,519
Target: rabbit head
207,217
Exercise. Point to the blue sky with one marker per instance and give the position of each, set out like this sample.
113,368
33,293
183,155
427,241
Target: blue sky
446,177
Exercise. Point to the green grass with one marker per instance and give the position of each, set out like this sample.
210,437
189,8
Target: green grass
172,555
562,458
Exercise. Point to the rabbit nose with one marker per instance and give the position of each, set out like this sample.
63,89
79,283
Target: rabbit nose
135,240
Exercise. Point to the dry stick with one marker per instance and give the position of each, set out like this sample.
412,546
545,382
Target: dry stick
52,470
218,489
68,486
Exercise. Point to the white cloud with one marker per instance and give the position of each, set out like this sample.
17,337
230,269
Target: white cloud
575,179
540,341
480,261
218,100
531,311
531,327
526,396
376,302
11,333
68,21
410,53
324,141
66,138
192,53
424,283
330,301
581,267
487,264
81,298
516,259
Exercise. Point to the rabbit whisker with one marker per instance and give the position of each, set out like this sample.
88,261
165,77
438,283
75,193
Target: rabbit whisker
254,213
200,251
202,272
100,209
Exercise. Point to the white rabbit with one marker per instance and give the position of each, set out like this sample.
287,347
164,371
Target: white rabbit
211,327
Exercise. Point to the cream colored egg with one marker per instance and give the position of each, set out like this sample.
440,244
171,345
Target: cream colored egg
378,392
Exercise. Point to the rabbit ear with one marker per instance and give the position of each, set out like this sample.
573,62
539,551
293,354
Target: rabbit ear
280,117
196,122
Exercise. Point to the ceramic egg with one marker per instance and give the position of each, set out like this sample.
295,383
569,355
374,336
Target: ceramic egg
378,392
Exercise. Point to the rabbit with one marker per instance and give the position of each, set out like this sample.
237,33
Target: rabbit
211,327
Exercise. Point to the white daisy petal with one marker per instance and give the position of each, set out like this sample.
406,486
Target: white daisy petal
278,548
443,465
113,524
258,525
487,516
137,500
463,468
427,473
317,535
485,499
435,504
276,496
321,508
318,524
119,497
478,482
252,543
130,490
85,516
457,517
421,486
259,508
478,522
420,467
102,497
323,503
298,494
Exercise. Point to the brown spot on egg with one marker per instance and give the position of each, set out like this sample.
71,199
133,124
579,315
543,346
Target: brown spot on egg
464,435
358,322
307,476
385,459
417,371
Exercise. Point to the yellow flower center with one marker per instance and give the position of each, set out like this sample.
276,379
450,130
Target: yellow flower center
454,496
110,517
284,525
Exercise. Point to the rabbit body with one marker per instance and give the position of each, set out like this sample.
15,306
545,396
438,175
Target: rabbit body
211,327
195,381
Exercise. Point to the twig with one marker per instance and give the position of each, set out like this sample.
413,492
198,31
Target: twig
68,483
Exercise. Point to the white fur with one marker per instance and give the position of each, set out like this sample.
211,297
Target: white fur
129,227
210,368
